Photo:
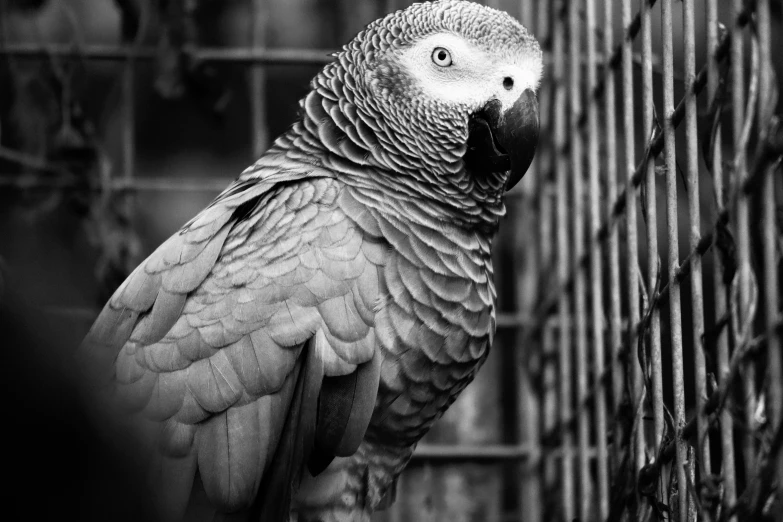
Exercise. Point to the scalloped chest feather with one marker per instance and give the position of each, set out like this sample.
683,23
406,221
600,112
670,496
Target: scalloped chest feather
435,319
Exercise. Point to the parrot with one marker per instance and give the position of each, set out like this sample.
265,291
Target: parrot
280,356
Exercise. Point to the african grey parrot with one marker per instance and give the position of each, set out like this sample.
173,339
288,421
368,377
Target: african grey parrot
286,349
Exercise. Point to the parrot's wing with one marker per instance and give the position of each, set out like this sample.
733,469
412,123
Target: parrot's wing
244,345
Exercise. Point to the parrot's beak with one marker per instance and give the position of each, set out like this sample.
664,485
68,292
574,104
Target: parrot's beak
502,141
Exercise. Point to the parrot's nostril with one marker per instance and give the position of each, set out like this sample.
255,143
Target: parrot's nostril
508,83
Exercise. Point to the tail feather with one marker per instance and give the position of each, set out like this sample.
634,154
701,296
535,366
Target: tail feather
284,474
171,481
232,454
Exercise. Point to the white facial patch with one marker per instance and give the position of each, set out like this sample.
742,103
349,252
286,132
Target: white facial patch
474,76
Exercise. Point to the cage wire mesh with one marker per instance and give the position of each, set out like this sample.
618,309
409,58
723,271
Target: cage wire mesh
638,371
673,378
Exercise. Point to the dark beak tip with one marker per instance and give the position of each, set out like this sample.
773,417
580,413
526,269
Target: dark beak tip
519,135
515,132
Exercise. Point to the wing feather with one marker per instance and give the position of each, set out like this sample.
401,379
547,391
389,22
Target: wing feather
213,390
213,340
345,407
138,292
296,439
171,479
166,396
165,312
232,453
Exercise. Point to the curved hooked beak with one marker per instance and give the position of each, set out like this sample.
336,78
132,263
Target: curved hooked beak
501,141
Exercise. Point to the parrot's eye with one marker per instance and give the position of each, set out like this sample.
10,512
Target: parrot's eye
441,57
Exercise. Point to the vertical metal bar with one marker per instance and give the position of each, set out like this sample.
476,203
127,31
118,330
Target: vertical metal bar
615,320
739,173
774,378
697,294
691,473
534,477
651,225
675,318
632,239
526,14
596,268
529,403
563,259
528,287
128,199
575,86
258,80
129,121
726,422
772,304
543,24
530,478
545,162
549,406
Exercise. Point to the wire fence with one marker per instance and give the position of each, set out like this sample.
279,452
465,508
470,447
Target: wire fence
620,310
649,375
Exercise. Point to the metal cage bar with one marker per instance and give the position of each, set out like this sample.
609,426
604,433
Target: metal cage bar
238,55
259,132
549,405
578,239
675,310
596,267
613,245
772,307
722,347
738,173
632,249
649,129
560,161
694,237
532,405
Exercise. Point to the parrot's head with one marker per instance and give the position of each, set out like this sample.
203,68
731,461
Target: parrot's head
448,89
